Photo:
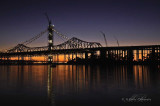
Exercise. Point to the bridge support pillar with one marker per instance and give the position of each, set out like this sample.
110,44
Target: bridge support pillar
18,57
65,57
121,54
130,55
92,55
57,58
137,55
116,52
72,56
103,54
22,58
76,55
86,55
81,55
153,54
30,58
54,58
109,54
125,55
142,55
8,58
69,57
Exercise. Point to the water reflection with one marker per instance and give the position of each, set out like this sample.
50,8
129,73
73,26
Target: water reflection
21,85
141,76
76,84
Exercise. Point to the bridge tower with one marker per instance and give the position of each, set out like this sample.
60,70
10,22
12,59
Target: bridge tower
50,40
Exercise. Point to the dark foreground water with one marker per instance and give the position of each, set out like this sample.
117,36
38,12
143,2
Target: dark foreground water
71,85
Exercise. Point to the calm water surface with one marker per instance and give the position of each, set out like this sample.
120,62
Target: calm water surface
71,85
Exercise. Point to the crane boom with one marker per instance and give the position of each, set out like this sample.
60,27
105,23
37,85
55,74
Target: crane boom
49,21
116,40
104,37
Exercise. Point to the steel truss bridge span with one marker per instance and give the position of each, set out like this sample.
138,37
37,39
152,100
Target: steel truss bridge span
73,43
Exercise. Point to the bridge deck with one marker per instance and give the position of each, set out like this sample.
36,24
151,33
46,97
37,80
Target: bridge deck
131,53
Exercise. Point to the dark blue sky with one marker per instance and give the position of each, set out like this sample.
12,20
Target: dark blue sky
133,22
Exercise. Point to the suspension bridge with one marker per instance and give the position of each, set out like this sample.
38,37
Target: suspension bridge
74,47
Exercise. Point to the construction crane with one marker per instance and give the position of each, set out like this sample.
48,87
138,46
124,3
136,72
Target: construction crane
104,37
116,40
49,21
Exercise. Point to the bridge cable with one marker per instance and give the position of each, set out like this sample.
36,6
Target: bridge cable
30,40
61,35
34,38
64,37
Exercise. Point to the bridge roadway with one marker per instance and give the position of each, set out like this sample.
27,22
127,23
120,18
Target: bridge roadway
128,52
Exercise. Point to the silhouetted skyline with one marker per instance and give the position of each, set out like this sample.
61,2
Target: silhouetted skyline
133,22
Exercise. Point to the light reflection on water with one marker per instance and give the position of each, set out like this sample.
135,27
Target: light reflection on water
76,85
